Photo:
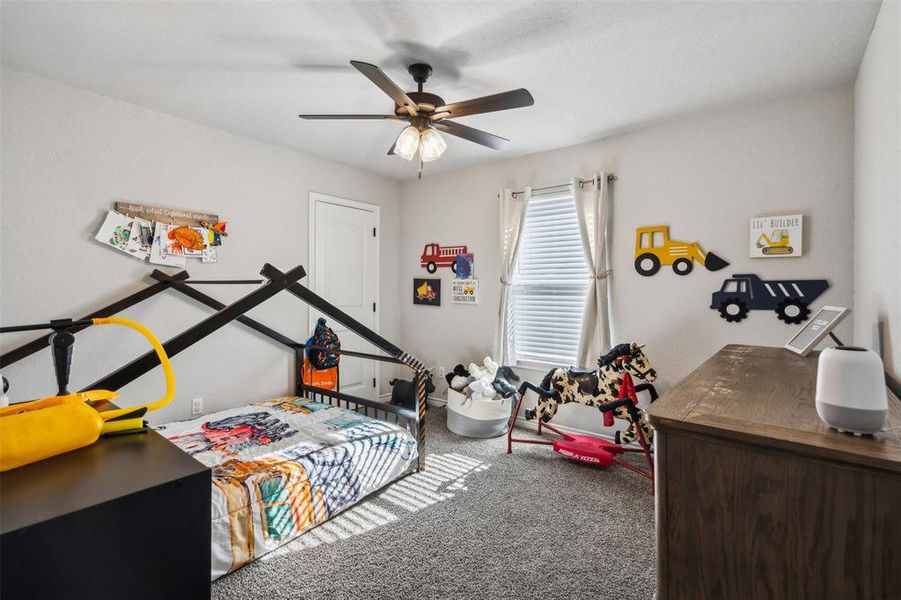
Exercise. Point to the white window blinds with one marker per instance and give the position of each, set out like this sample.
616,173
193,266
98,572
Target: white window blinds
550,282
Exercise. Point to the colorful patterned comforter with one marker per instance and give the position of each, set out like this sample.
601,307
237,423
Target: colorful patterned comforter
283,466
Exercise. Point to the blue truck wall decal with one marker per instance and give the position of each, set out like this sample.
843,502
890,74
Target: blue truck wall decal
790,298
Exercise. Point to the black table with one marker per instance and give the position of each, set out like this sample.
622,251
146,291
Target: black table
127,517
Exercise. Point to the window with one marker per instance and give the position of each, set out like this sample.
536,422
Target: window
550,282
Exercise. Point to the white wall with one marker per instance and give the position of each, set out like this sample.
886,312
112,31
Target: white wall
877,188
67,155
705,176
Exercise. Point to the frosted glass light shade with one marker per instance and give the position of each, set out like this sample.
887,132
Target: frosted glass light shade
431,145
407,143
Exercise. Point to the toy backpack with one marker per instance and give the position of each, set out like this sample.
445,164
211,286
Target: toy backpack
323,337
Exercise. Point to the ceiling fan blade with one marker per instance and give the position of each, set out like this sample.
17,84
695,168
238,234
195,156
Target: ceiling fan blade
503,101
495,142
325,117
384,83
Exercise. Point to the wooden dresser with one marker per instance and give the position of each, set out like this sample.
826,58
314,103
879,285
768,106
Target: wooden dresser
757,498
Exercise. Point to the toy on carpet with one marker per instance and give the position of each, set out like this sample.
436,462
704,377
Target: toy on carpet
613,391
596,388
403,392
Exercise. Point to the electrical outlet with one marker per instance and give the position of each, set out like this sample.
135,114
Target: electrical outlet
197,406
442,371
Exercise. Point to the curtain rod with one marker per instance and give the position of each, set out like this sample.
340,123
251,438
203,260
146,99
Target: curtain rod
610,177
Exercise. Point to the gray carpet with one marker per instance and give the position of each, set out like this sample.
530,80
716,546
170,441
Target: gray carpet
477,523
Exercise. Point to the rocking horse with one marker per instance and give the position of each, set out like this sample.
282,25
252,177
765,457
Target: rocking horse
610,387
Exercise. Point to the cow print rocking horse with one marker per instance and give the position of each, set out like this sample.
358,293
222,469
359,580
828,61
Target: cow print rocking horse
611,389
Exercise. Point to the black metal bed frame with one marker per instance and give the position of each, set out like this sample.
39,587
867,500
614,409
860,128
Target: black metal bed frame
274,282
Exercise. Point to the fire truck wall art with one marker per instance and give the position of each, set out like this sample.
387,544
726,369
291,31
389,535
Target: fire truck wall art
435,255
427,291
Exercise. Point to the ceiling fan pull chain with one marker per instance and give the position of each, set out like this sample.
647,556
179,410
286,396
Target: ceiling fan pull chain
420,168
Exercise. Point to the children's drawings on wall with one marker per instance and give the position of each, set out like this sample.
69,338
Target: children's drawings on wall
463,266
176,236
141,238
190,240
465,291
774,237
116,232
427,291
161,252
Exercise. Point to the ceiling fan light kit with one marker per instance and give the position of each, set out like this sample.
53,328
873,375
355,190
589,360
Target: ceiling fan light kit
427,113
431,145
407,143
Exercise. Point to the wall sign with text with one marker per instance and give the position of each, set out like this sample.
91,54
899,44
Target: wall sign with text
465,291
775,237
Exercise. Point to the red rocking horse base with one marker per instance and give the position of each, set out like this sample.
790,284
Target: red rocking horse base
586,448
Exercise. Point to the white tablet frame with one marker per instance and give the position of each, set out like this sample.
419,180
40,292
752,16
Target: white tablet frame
842,311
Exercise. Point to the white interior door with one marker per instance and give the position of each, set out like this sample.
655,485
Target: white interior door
344,254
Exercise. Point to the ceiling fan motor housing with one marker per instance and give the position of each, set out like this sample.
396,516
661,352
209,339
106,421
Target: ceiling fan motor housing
425,103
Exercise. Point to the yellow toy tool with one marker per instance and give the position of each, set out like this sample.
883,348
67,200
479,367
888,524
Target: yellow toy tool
653,248
33,431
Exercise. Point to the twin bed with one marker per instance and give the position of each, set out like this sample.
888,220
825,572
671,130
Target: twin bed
283,466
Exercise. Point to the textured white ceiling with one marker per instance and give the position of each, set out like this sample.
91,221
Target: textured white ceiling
594,68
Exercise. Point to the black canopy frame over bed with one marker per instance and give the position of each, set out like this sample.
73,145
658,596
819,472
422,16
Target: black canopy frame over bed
274,282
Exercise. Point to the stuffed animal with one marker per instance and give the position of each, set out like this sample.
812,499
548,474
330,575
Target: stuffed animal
488,368
502,379
481,389
491,366
403,392
482,386
458,379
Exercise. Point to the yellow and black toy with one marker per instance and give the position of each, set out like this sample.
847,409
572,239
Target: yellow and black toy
33,431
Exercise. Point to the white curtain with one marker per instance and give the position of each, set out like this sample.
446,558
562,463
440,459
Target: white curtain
593,208
513,210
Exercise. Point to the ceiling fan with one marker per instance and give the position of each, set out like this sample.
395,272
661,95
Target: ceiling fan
428,114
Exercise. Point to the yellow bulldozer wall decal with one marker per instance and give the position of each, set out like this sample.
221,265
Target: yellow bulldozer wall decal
654,249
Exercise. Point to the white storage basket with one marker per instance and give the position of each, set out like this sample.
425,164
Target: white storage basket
477,418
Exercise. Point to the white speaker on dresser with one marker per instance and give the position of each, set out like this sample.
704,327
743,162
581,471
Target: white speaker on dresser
851,394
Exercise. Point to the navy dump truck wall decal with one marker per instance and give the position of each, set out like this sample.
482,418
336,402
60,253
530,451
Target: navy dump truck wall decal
790,298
